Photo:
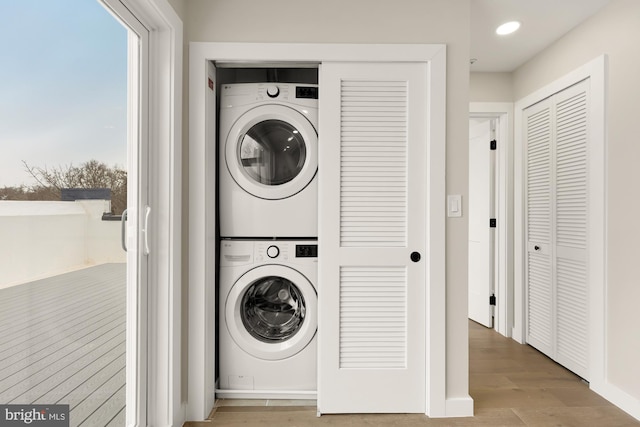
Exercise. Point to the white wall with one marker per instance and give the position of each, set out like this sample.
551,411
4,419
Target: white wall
490,87
41,239
615,31
364,21
180,7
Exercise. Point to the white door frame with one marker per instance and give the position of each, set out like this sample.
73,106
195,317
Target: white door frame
482,206
154,393
503,112
595,71
202,163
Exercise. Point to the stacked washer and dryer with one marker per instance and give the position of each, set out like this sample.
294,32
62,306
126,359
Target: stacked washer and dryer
268,145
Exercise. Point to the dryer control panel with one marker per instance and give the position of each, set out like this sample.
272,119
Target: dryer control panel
307,92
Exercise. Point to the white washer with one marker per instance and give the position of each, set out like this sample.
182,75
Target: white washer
268,157
267,319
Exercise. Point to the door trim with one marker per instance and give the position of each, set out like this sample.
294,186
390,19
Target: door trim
503,112
595,71
202,159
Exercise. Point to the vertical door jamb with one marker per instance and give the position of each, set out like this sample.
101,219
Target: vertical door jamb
154,386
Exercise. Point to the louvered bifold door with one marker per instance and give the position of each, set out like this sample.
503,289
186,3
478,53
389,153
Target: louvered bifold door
538,134
557,182
372,201
572,301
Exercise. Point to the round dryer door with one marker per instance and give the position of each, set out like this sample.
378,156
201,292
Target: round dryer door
271,152
271,312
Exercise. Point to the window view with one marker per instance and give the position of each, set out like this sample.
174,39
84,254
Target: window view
63,189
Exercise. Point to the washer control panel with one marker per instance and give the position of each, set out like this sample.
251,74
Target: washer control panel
280,250
273,251
273,91
306,251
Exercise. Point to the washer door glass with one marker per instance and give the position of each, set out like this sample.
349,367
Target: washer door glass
271,312
272,152
273,309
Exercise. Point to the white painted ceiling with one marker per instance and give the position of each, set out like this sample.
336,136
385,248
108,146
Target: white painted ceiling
543,22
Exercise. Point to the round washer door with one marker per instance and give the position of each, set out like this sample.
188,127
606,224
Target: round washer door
271,152
271,312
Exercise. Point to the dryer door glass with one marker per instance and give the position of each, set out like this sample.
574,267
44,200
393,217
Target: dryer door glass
272,152
273,309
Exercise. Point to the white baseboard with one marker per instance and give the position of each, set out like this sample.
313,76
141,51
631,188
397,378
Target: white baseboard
459,407
267,394
618,397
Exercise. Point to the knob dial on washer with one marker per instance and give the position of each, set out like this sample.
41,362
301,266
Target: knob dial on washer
273,251
273,91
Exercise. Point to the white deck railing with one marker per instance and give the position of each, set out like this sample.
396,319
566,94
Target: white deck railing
39,239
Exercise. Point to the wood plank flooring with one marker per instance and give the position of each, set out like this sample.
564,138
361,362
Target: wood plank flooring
511,384
62,341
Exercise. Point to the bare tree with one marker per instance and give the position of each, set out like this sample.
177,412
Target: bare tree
23,192
91,174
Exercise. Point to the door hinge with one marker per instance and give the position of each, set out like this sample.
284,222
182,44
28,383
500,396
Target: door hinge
494,144
492,300
492,223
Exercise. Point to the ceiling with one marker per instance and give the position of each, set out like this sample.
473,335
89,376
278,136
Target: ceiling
543,22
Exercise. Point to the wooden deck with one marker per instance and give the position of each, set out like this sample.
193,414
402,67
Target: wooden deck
62,340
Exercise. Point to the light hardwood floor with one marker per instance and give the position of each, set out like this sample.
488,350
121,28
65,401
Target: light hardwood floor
511,384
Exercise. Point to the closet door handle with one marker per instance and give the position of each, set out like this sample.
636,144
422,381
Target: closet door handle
415,256
536,247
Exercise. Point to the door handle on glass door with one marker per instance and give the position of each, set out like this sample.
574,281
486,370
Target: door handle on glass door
123,230
147,213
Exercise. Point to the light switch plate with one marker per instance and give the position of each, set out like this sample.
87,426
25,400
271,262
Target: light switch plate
454,206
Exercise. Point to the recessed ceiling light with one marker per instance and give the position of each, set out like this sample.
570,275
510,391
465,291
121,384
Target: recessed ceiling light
507,28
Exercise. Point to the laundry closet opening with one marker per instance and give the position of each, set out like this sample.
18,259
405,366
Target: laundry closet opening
362,237
266,142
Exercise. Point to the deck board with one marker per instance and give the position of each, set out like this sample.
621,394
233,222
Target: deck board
47,343
62,340
118,420
94,408
105,367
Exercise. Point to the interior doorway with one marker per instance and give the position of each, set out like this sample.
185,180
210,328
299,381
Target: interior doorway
482,220
202,207
498,224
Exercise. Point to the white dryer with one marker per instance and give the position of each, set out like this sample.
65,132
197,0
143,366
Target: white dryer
267,319
268,158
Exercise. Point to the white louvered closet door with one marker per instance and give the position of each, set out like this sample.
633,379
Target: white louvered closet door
558,299
372,218
572,297
539,195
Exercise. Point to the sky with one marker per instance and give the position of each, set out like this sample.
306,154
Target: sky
63,78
